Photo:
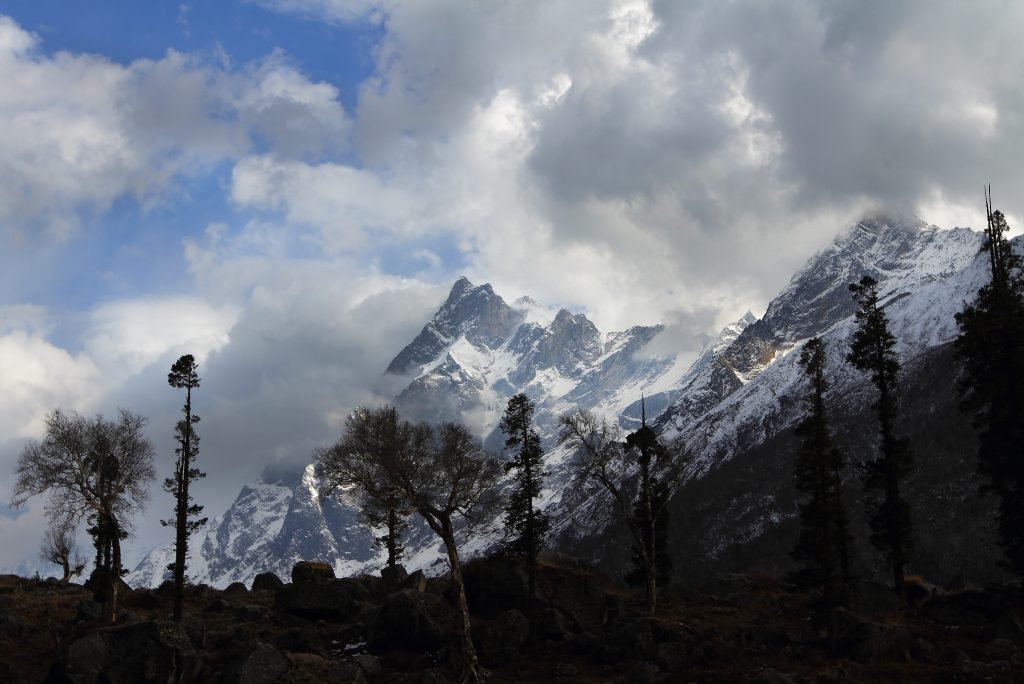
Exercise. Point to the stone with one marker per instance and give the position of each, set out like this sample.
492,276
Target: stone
872,598
412,620
500,640
236,589
869,641
566,670
147,599
315,601
770,676
393,576
266,581
89,609
139,652
261,665
311,572
370,664
417,581
640,672
672,656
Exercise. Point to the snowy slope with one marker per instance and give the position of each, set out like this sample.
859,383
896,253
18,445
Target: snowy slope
741,392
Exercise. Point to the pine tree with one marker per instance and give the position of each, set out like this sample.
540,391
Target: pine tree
990,349
184,374
525,526
873,349
823,546
637,574
654,467
388,514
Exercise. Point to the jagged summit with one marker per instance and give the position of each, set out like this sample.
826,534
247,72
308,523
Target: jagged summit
740,393
475,312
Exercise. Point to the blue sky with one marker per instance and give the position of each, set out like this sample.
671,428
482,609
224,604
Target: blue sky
288,188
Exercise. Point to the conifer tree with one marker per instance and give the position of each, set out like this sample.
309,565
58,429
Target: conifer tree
184,375
603,457
525,526
873,350
990,349
823,546
637,574
387,513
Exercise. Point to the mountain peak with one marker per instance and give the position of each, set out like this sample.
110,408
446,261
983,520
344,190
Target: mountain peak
474,311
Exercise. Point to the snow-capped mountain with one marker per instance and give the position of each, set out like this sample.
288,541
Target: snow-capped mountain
734,406
474,354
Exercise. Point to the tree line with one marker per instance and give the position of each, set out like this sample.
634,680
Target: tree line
97,469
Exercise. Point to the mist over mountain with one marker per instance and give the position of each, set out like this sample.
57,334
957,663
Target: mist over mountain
734,406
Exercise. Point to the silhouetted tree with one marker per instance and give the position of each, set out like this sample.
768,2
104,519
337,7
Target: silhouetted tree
873,349
823,546
389,515
636,576
184,375
525,526
442,474
96,466
602,456
59,548
990,349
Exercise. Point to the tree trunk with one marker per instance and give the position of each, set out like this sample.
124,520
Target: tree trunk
67,570
115,569
471,672
648,535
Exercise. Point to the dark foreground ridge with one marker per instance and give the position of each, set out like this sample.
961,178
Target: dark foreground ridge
583,627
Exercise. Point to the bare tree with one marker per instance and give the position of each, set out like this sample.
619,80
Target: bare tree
59,548
90,466
442,474
640,463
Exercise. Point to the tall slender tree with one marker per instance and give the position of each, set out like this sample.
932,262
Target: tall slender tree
602,456
990,349
823,546
525,526
387,513
873,349
184,375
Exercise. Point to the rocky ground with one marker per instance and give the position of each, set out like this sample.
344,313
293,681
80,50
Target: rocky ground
584,628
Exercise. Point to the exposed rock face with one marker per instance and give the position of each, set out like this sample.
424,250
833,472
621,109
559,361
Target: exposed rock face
734,406
474,312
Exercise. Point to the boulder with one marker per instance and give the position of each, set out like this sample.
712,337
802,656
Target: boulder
572,598
393,576
972,607
315,601
261,665
414,620
873,597
236,589
128,654
869,641
266,581
146,599
500,640
770,676
311,572
417,581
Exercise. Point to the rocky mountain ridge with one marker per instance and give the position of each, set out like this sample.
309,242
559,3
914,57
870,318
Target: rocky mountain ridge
736,402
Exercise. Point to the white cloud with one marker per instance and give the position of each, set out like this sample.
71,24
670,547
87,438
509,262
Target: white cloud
78,131
37,376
